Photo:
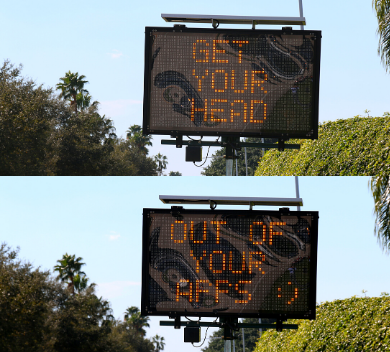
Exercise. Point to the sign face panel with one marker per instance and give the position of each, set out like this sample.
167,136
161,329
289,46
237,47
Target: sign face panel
240,263
262,83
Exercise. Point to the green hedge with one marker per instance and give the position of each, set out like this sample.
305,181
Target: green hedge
352,147
354,324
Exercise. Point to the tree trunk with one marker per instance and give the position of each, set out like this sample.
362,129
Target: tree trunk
74,102
71,285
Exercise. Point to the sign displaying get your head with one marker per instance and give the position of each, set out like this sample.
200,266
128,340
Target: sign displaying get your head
262,83
229,263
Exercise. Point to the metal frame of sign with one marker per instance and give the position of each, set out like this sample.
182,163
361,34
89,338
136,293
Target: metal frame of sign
177,131
279,314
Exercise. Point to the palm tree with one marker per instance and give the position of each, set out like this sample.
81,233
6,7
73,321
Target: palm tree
135,136
136,321
382,9
161,161
106,311
84,101
68,268
81,283
130,311
72,85
159,343
380,188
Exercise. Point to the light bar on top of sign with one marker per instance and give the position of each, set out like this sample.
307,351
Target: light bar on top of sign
233,19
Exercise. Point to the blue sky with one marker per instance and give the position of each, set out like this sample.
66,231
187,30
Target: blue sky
105,42
100,219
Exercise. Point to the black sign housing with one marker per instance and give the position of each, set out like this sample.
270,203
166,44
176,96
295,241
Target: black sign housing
229,263
211,82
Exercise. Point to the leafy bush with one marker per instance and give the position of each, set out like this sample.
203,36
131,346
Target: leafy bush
359,146
354,324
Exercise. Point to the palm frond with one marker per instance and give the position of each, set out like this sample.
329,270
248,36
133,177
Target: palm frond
380,187
382,9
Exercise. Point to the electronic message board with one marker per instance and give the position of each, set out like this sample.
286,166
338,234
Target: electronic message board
262,83
224,263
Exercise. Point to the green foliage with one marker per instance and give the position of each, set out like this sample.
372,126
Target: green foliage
138,139
175,173
72,89
81,323
85,143
354,324
126,160
158,342
69,271
136,321
26,302
81,283
382,9
126,339
84,101
28,117
217,166
40,314
130,311
353,147
161,161
380,188
40,134
251,336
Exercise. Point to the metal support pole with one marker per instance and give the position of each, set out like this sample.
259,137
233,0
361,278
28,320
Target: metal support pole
301,11
229,167
262,149
260,330
243,338
246,164
231,143
297,191
236,164
228,346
